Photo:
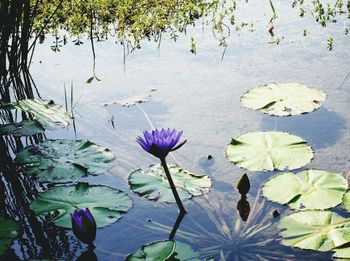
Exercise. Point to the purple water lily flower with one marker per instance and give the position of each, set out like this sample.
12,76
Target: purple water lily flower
84,226
160,142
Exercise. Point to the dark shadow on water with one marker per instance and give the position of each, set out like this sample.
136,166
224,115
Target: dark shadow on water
88,255
34,238
321,128
243,207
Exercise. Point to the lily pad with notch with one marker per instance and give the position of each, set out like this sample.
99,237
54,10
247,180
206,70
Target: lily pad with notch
342,252
267,151
23,128
283,99
105,203
64,160
158,250
164,250
8,231
153,184
315,229
50,115
309,189
346,200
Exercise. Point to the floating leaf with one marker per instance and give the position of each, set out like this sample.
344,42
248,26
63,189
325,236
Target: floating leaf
47,259
105,203
7,106
153,184
346,200
90,79
164,250
155,251
283,99
23,128
315,229
64,160
141,98
310,189
184,252
257,151
50,115
8,231
343,252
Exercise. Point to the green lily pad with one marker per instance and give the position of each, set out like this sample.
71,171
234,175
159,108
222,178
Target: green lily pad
164,250
153,184
283,99
105,203
309,189
46,259
315,229
346,200
7,106
8,231
50,115
264,151
23,128
184,252
342,252
64,160
155,251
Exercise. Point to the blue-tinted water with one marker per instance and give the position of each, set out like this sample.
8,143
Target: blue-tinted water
200,95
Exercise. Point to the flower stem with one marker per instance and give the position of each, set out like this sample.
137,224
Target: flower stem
176,225
172,185
91,246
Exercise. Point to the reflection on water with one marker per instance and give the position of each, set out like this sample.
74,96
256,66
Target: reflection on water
243,207
199,94
214,229
35,238
321,129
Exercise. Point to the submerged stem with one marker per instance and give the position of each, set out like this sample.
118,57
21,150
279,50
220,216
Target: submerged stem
176,225
172,185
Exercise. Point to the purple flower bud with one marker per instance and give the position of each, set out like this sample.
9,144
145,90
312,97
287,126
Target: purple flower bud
160,142
84,226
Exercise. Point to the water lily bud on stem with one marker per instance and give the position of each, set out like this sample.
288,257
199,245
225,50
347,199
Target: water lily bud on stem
84,226
243,185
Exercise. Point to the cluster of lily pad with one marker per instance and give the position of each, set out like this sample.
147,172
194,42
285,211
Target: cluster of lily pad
309,192
79,205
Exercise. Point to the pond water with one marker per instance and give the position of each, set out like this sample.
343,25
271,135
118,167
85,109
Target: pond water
199,94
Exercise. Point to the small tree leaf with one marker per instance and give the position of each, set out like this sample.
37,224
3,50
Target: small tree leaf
90,79
140,98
